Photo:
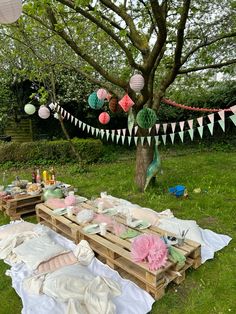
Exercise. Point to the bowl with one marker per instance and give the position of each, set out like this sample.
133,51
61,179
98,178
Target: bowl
20,183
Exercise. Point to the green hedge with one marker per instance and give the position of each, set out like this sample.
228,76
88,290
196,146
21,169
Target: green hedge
45,152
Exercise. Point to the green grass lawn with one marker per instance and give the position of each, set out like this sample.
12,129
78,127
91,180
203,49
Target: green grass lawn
212,287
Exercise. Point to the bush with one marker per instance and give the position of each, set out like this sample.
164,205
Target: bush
48,152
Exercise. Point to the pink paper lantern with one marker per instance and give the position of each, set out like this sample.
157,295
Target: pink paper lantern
44,112
126,103
104,118
101,94
136,83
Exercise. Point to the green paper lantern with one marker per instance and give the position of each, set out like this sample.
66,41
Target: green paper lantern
94,102
146,118
29,109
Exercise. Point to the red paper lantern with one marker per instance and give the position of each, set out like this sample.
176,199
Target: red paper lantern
126,103
136,82
101,94
104,118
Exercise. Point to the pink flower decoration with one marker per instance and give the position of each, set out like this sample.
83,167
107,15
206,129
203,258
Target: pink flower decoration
150,248
70,200
104,118
101,94
126,103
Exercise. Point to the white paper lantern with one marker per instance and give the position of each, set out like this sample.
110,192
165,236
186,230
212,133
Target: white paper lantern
101,93
10,11
56,115
136,83
29,109
44,112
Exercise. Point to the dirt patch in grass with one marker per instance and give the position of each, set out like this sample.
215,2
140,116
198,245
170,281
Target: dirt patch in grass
208,220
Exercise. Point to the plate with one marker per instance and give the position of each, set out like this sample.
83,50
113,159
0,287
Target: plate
110,211
140,224
92,229
80,199
60,211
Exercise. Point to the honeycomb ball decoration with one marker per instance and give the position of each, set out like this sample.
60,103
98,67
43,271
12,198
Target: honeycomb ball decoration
126,103
101,94
44,112
104,118
29,109
94,102
136,83
146,118
10,11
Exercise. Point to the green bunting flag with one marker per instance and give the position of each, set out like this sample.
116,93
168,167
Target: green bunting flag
233,118
181,135
164,139
200,130
190,131
222,124
172,136
210,127
156,139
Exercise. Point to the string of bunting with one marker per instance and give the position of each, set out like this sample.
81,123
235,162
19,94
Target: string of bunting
126,135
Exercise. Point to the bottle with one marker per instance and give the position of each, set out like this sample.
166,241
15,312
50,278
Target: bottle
34,176
45,176
38,177
53,175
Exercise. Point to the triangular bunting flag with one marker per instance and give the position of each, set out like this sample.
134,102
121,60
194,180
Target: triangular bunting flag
142,138
173,125
92,130
181,135
136,140
117,138
124,131
233,118
190,123
200,121
157,128
123,139
172,136
149,139
97,132
62,110
211,117
57,108
83,126
76,121
190,131
233,109
181,125
135,130
71,118
149,130
112,135
118,131
156,139
222,124
102,133
107,134
164,139
88,128
80,124
200,130
164,127
129,139
221,113
68,115
210,127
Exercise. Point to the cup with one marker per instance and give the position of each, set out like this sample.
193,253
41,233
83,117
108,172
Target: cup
103,228
180,241
70,211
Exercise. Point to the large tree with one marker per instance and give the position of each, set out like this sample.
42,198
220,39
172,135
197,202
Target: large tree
161,40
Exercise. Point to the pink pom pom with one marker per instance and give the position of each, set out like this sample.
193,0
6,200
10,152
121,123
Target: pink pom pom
104,118
70,200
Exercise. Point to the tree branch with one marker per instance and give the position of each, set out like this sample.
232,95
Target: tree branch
209,66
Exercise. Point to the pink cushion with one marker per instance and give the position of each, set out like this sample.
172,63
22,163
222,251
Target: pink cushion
55,203
57,262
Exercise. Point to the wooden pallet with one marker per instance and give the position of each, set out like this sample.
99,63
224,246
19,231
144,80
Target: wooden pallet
16,207
115,252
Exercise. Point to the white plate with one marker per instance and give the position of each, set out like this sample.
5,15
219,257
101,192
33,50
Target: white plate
80,199
140,224
110,211
92,229
60,211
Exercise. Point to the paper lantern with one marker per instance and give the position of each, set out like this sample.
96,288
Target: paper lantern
136,82
126,103
104,118
44,112
56,116
29,109
101,94
94,102
146,118
113,104
10,11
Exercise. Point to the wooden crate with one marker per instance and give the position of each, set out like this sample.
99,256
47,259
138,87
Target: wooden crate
115,252
21,205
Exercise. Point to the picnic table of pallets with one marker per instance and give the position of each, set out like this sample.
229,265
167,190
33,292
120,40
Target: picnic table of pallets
115,251
20,205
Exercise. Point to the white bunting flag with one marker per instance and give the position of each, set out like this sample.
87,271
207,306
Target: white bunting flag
190,131
97,132
88,128
124,131
233,109
222,124
190,124
118,131
72,119
92,130
83,126
173,125
80,124
135,130
221,113
68,115
149,139
62,111
142,138
157,128
112,135
149,130
181,135
117,138
107,134
76,121
172,136
200,130
210,127
164,139
164,127
102,133
200,121
135,140
211,117
181,125
123,139
129,139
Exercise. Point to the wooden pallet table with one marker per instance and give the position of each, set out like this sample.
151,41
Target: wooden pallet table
115,252
21,205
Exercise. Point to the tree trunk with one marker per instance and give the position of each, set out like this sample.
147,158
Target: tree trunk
144,156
